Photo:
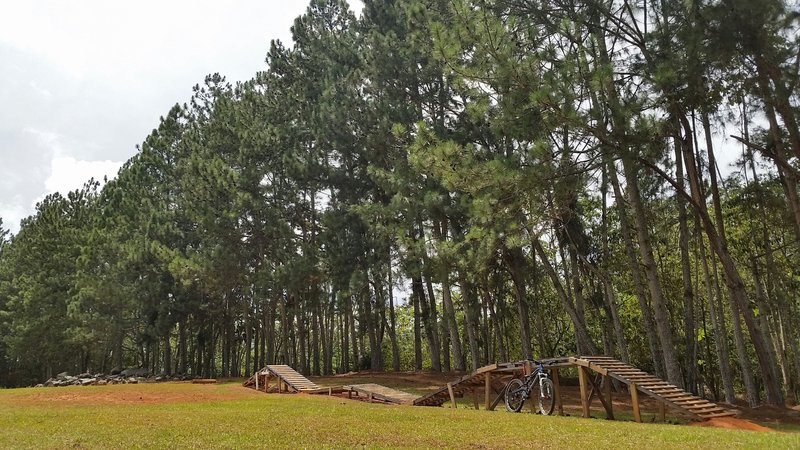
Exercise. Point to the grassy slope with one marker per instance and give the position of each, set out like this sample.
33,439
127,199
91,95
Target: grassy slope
243,418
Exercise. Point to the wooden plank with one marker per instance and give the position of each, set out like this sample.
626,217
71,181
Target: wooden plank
637,416
607,402
598,369
452,396
706,409
725,414
688,401
662,411
487,389
498,399
557,393
582,381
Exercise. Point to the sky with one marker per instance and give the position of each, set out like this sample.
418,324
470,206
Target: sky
82,82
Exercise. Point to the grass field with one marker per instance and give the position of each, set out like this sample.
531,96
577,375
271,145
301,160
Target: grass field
180,415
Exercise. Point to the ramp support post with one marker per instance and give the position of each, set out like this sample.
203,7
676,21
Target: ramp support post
637,416
452,395
582,381
557,393
487,389
607,394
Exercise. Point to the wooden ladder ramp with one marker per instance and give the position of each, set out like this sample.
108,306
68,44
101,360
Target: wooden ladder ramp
286,376
641,381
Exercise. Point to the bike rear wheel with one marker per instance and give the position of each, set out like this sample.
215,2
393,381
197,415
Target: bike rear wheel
547,397
515,395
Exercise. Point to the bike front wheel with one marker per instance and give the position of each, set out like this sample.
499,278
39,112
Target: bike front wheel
547,397
515,395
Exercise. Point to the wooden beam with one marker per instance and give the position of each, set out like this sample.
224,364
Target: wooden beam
662,411
557,393
637,416
487,389
608,403
452,396
498,399
476,397
596,390
582,381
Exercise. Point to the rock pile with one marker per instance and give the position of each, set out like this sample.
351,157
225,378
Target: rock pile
117,376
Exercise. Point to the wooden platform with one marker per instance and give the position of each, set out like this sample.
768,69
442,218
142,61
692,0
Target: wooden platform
381,393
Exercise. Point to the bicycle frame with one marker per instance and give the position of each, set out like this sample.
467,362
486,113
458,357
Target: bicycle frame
532,379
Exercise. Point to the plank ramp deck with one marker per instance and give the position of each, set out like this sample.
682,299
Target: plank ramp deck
466,383
290,377
382,393
653,386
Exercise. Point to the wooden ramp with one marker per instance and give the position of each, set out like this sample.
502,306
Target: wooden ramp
382,393
481,378
287,379
637,381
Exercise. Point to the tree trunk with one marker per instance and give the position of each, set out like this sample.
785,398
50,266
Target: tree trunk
415,299
515,261
430,326
717,323
661,313
690,332
392,320
636,274
581,334
733,280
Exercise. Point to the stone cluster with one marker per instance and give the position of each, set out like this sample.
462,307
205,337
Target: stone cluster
117,376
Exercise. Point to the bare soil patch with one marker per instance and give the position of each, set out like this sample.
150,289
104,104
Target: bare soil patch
132,394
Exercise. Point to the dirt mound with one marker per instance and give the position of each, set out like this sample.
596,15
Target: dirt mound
732,423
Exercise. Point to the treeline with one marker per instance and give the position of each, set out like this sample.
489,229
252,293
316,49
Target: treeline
439,184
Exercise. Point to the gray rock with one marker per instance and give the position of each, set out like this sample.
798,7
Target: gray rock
116,370
39,385
87,381
140,372
62,375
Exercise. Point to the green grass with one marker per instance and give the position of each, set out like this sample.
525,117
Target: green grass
228,416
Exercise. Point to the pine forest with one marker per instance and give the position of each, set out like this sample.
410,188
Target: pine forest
442,184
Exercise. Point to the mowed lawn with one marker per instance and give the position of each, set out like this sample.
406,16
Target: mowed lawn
182,415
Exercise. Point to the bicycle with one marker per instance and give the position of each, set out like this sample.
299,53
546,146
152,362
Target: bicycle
519,390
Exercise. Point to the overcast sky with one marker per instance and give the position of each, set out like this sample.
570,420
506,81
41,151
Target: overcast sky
82,82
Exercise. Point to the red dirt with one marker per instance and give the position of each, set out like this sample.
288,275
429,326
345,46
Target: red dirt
130,395
732,423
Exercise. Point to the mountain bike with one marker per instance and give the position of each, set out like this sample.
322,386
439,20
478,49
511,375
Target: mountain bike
519,390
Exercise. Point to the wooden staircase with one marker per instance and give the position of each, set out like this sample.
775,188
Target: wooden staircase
286,377
637,379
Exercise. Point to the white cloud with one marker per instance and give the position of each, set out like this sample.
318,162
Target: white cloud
68,174
12,215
